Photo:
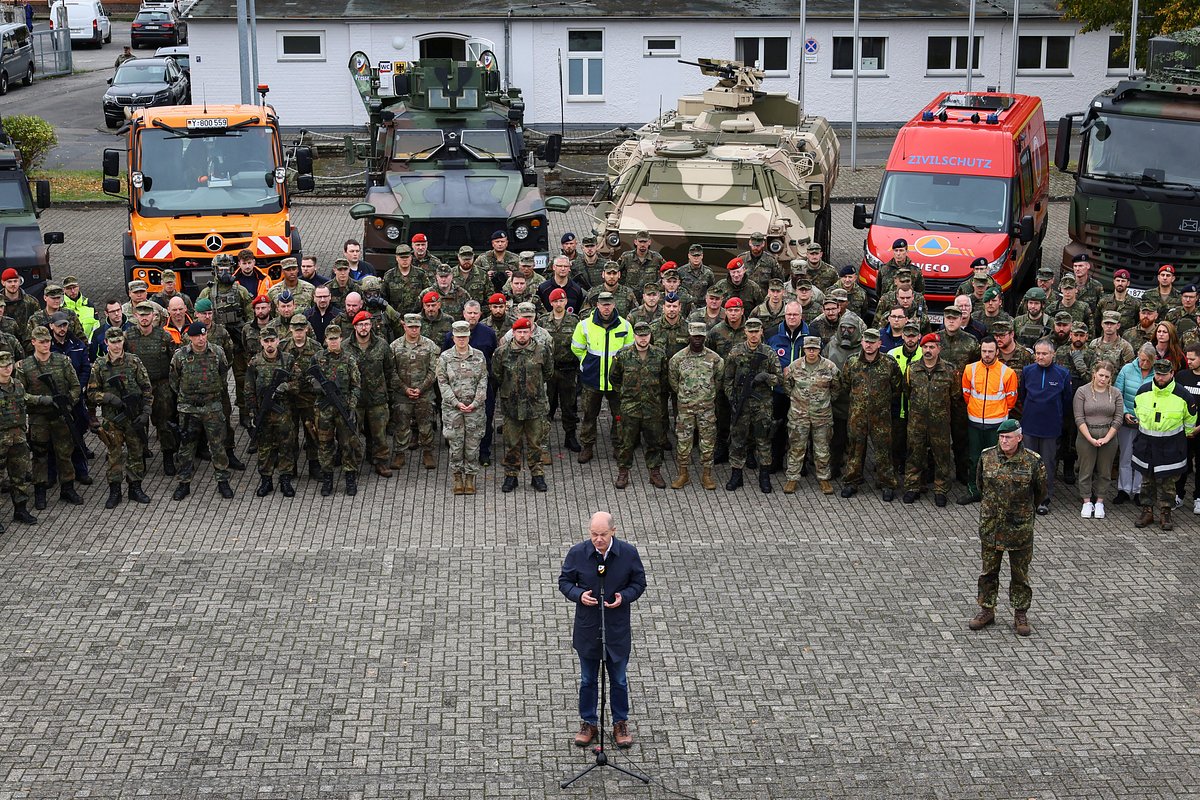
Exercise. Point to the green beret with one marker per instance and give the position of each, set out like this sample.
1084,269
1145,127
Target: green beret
203,304
1009,426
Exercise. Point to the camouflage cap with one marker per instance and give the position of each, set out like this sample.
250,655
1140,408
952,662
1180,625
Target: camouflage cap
828,301
814,247
341,263
1163,367
670,274
904,276
775,284
1079,327
167,274
71,280
114,334
1046,273
268,334
980,280
527,308
696,248
642,235
1036,293
443,269
991,294
952,311
754,324
812,342
145,307
1000,326
6,358
1067,282
461,328
52,290
412,319
525,257
1009,426
1148,305
605,297
714,292
641,327
334,331
372,283
1063,317
651,288
588,241
298,321
41,333
611,266
871,335
839,295
804,283
226,260
758,236
697,329
404,250
289,263
911,329
1111,316
799,265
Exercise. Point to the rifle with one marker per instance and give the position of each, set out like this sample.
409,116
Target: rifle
332,396
744,387
132,407
63,404
266,400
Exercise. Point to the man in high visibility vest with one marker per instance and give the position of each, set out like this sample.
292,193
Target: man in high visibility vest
990,389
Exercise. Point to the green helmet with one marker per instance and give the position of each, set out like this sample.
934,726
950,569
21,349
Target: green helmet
1036,293
223,260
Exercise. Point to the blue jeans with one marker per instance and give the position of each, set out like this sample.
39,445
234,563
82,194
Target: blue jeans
589,689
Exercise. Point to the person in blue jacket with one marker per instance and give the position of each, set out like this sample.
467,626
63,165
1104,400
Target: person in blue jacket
1044,396
788,344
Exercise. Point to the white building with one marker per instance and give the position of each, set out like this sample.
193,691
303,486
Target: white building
616,63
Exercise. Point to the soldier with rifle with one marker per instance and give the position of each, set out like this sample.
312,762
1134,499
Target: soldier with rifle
52,389
120,385
198,374
334,374
270,390
751,371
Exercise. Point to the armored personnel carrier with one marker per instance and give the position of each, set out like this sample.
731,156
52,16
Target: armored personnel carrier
725,164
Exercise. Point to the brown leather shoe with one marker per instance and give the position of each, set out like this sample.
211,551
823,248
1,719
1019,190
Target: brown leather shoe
621,734
826,487
398,460
427,459
1147,517
587,732
585,455
985,617
1166,520
1021,622
790,487
706,479
622,478
682,479
656,479
382,470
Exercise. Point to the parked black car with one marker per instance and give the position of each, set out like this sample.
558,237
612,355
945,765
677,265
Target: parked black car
157,25
143,83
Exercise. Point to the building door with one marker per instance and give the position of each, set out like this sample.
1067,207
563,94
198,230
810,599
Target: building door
447,45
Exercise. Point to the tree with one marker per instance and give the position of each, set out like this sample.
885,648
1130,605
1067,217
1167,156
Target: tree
33,137
1155,18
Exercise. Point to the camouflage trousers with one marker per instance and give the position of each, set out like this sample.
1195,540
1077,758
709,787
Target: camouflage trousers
926,437
208,421
374,421
652,431
126,451
1020,595
49,436
860,430
304,422
590,400
1158,491
751,429
275,445
561,390
17,462
463,433
702,420
238,361
799,430
524,436
334,433
162,415
407,412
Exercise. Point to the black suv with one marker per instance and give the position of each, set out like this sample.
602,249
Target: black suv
143,83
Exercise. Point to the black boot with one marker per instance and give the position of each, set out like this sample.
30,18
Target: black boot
21,513
168,464
39,497
83,479
326,484
114,496
265,486
285,486
539,483
764,481
67,493
735,480
351,480
182,491
510,484
314,469
571,442
234,461
136,494
225,489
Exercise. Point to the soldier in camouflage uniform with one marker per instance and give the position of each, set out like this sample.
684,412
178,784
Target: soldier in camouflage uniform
979,277
422,258
232,309
452,296
9,341
723,337
402,284
587,266
500,317
694,375
334,431
435,323
761,266
820,272
958,348
521,367
303,348
462,375
121,386
651,306
564,380
20,306
810,382
155,347
415,360
1090,290
639,266
849,291
380,390
694,276
639,377
712,312
388,322
770,310
1164,295
1143,332
624,298
44,377
499,262
751,371
992,310
14,444
302,291
933,388
343,284
472,279
1008,351
1120,301
218,336
54,295
198,377
1033,324
1013,483
887,273
271,378
872,381
738,284
252,331
1109,346
1071,303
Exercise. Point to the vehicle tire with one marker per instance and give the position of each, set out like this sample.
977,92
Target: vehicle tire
3,83
28,79
108,39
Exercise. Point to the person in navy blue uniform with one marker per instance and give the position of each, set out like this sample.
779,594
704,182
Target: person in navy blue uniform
624,581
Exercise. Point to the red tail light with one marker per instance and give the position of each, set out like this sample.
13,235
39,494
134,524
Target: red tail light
168,24
95,24
136,25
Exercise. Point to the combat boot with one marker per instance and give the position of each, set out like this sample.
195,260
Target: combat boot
83,479
114,496
585,454
326,484
622,478
656,479
469,484
985,617
181,491
381,469
234,461
136,494
39,497
571,442
398,459
764,480
1166,520
682,479
1021,623
826,487
225,490
721,456
790,487
510,484
314,469
169,464
21,513
67,493
706,479
265,486
539,483
427,459
1147,517
458,483
285,486
735,480
351,480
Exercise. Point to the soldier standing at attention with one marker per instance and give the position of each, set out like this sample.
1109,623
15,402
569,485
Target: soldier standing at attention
934,388
232,308
198,374
761,266
694,276
810,382
403,283
116,377
639,375
14,419
462,375
872,381
45,376
751,371
887,273
1012,481
560,324
379,389
521,368
695,374
333,429
639,266
155,347
499,263
270,390
415,358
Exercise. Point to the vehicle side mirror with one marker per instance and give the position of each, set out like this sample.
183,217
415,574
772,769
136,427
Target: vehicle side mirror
112,163
816,197
108,81
41,191
304,160
862,219
362,211
553,149
558,204
1025,229
305,183
1062,145
111,185
53,237
400,85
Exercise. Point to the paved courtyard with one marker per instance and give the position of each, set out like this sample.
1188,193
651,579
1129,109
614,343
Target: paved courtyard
411,643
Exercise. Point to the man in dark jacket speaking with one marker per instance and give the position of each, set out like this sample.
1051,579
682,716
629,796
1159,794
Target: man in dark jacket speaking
623,580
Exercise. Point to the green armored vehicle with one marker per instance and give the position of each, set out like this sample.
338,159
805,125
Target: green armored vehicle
22,245
723,165
448,160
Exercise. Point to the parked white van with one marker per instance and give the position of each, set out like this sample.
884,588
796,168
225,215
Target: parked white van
88,20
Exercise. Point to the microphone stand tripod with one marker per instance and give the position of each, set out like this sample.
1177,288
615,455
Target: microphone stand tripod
601,755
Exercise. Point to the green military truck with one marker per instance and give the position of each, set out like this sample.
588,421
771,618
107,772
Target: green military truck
22,244
448,159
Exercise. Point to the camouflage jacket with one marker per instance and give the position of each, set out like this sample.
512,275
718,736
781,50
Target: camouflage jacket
588,275
722,338
887,277
54,377
377,371
741,366
1027,330
822,275
959,348
453,299
302,292
701,315
1090,293
124,379
338,293
640,380
1078,363
13,413
811,388
750,292
260,373
415,364
1020,358
1127,308
198,379
1165,304
435,329
252,335
762,268
155,349
74,326
492,265
931,392
306,394
636,272
529,295
1079,311
623,298
462,379
218,335
19,309
1119,352
696,377
403,292
342,369
232,304
561,332
1138,336
642,314
856,297
11,344
981,317
670,337
695,279
771,318
521,374
501,326
475,283
427,264
871,386
1012,486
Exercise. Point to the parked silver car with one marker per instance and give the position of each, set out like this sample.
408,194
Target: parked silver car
16,55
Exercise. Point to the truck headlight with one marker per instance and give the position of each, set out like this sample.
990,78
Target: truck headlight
392,232
521,232
873,262
613,239
775,246
994,266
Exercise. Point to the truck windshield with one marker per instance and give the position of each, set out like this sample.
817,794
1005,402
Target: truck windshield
1149,149
943,202
416,145
208,174
14,198
487,145
699,183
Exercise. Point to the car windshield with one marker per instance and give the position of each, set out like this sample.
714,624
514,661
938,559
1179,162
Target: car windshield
939,202
14,198
208,174
130,73
418,145
699,183
1115,147
487,145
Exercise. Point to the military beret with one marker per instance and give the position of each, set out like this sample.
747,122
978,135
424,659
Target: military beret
522,324
412,319
1121,273
754,324
735,263
812,341
419,237
991,294
814,247
697,329
203,304
499,235
1079,327
1191,288
52,290
362,316
1163,367
641,327
1001,326
1063,317
498,297
642,235
952,311
567,237
341,263
667,265
1036,293
1009,426
555,294
775,284
526,308
9,274
930,338
461,328
114,334
334,331
1111,316
849,269
696,248
588,240
145,307
899,243
285,296
289,263
871,335
298,321
59,318
6,359
197,329
840,295
605,297
651,288
611,266
1067,282
404,250
525,257
911,329
260,298
430,297
1080,258
40,332
1166,268
71,280
979,262
734,302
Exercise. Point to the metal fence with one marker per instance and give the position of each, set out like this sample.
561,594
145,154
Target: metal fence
52,52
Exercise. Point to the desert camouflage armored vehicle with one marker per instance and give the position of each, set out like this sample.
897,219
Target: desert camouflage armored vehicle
725,164
448,159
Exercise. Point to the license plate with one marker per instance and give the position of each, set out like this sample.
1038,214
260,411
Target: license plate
1137,293
540,261
936,319
204,123
78,30
151,27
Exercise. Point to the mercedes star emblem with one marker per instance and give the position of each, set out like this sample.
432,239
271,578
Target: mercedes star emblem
214,243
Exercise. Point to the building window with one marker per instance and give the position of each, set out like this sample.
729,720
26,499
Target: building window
949,54
1044,54
872,53
301,45
585,65
660,46
1118,57
769,53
